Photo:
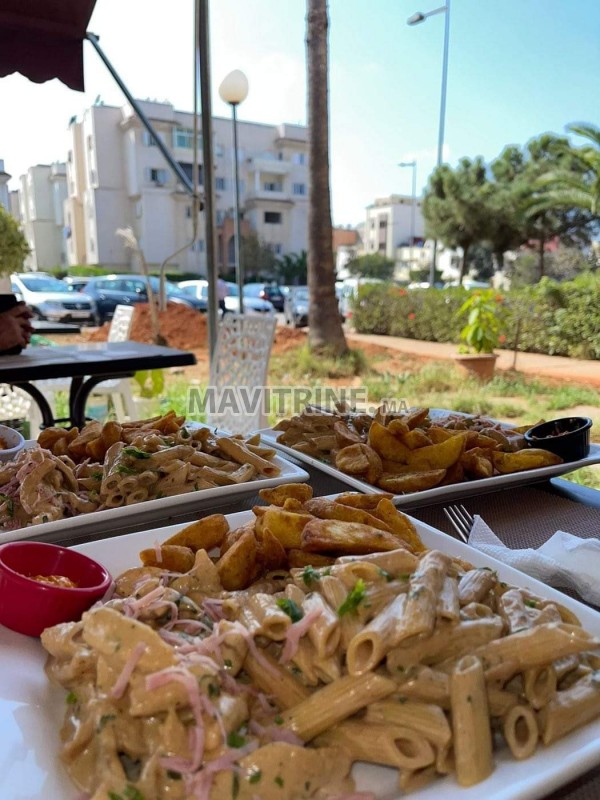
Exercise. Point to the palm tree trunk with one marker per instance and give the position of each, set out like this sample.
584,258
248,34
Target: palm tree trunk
325,323
463,264
542,264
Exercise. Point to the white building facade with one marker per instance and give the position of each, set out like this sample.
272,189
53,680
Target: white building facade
4,193
388,224
42,193
117,178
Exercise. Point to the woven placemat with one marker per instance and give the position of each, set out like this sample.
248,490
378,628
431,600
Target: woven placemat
522,518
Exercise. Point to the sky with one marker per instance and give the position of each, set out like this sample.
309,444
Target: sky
517,68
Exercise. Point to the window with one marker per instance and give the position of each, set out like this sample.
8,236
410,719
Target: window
147,139
198,246
272,186
382,223
272,217
184,137
220,184
188,212
219,150
280,156
220,217
90,142
299,158
278,249
299,189
157,176
189,171
70,157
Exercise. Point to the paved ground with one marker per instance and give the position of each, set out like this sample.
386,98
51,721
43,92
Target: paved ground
569,370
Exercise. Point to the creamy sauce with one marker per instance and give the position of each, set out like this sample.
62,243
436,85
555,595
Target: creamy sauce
55,580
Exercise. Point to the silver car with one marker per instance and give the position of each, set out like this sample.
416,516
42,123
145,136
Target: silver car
252,305
50,299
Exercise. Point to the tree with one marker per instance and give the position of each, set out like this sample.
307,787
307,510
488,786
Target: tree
292,268
13,244
372,265
325,322
517,173
456,207
574,183
258,258
130,242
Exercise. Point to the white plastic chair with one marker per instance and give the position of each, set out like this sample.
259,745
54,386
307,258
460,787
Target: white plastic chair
15,404
241,362
117,390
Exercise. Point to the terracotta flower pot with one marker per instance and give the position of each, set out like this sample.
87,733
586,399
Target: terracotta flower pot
481,365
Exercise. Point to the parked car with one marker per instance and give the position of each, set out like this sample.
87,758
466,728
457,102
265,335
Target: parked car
51,300
265,291
75,283
296,307
252,305
114,290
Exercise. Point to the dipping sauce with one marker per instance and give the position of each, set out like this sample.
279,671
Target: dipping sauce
55,580
3,445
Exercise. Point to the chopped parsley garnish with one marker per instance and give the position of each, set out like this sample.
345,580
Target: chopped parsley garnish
123,469
235,739
310,575
135,452
530,603
71,699
174,776
354,598
385,574
278,720
279,781
290,608
404,576
255,776
97,476
184,433
228,662
235,785
10,504
129,793
44,517
213,690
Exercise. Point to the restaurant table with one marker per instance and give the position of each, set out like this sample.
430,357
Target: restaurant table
521,517
45,328
87,365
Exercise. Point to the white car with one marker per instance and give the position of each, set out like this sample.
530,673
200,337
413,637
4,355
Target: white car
252,305
50,299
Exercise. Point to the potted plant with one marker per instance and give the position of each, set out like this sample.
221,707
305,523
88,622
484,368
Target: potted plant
481,334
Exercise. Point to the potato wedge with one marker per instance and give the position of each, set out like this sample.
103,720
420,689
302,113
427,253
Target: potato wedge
416,417
344,435
416,438
238,566
400,525
270,552
454,474
277,495
300,558
412,481
331,535
398,427
286,526
291,504
323,508
477,465
204,534
533,458
127,581
386,444
437,434
173,558
359,459
232,537
365,501
437,456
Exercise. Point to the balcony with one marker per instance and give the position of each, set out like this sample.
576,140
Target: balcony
268,163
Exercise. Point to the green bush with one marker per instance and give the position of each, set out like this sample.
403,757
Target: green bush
552,318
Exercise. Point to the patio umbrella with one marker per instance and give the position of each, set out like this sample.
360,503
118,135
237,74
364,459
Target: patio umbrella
43,39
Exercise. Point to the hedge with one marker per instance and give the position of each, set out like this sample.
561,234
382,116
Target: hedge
98,272
555,318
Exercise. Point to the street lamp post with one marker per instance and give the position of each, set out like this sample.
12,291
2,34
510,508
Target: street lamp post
413,208
417,18
234,90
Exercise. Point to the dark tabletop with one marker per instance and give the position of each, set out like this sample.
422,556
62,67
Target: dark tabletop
45,328
98,358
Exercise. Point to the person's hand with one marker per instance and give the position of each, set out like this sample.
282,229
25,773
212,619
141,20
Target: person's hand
15,327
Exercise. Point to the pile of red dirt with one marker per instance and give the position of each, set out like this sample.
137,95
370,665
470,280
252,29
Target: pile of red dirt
182,327
288,339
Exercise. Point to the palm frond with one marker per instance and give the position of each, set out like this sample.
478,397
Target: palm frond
586,130
563,198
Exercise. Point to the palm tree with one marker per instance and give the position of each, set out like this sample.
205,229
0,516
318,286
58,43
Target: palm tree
325,322
577,184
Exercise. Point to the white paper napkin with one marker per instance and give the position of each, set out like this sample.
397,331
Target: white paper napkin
564,560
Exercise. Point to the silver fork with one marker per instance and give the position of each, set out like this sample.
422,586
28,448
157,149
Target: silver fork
461,521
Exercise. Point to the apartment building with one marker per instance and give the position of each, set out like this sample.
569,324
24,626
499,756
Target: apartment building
117,178
42,193
4,194
388,224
